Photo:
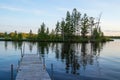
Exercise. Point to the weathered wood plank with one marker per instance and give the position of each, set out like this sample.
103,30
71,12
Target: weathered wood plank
31,68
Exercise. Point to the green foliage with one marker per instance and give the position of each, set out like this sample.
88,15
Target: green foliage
69,26
20,37
52,35
74,24
30,36
74,27
92,24
15,36
47,32
6,36
43,33
75,18
1,35
96,34
63,29
84,26
57,29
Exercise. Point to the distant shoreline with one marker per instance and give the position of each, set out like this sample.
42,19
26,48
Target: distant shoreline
58,41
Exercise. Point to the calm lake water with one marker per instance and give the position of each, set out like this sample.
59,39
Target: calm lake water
76,61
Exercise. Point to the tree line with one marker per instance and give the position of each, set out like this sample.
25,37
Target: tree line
74,27
79,26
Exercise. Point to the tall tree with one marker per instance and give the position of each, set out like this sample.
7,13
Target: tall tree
30,34
57,29
52,34
68,25
63,29
75,20
84,26
15,35
91,25
5,35
47,32
42,28
96,34
42,32
20,37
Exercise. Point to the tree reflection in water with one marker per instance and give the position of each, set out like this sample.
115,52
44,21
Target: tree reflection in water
16,45
76,56
6,44
31,44
43,47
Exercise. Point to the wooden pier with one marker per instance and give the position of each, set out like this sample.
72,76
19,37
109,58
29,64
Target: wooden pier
31,67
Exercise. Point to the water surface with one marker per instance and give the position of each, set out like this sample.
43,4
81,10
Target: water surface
71,61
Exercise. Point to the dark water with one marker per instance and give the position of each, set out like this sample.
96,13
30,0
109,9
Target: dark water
76,61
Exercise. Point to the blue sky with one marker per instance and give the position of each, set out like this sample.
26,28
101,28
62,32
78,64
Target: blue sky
23,15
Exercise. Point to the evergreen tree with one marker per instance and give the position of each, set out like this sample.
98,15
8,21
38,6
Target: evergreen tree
63,29
20,37
42,32
96,34
91,25
47,32
15,37
30,34
57,29
84,26
5,35
75,18
42,28
39,32
52,35
68,25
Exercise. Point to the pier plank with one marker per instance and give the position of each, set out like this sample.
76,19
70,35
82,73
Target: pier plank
31,68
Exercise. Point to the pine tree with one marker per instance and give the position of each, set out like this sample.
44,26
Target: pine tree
42,32
57,29
75,18
47,32
20,37
68,25
84,26
63,29
30,34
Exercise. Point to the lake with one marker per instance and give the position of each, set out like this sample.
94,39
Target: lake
71,61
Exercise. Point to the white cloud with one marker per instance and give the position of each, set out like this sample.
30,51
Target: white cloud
10,8
25,10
